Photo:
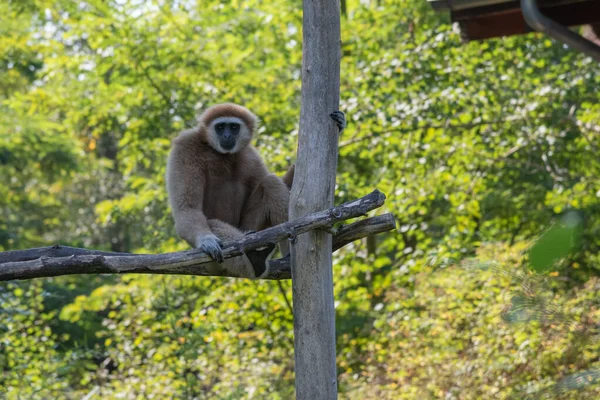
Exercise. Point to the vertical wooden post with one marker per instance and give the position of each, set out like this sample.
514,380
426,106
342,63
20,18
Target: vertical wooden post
313,190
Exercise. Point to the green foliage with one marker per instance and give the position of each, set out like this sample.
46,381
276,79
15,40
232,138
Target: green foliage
556,243
483,329
482,148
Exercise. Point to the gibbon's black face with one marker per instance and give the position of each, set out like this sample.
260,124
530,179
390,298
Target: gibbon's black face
227,133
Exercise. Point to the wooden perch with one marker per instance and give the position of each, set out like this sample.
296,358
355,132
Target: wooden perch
61,260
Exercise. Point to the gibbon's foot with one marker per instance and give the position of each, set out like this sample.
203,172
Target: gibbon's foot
260,258
211,245
339,118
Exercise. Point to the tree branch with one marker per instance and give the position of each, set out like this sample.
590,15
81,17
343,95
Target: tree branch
162,94
61,260
447,126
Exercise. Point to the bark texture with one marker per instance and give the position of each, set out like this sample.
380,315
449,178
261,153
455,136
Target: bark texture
313,189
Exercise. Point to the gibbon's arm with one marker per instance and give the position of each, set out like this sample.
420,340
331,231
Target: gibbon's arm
185,185
340,120
288,178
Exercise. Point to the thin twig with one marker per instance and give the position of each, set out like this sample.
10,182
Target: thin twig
162,94
445,126
287,301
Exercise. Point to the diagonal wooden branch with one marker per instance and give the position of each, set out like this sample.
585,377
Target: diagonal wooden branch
56,261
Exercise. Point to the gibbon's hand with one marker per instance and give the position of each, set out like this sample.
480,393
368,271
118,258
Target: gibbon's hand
339,118
211,245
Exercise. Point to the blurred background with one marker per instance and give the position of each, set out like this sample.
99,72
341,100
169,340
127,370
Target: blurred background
488,153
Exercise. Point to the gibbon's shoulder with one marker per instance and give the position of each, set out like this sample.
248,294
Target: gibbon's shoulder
190,136
190,147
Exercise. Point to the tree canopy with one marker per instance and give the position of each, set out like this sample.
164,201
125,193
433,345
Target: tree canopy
483,149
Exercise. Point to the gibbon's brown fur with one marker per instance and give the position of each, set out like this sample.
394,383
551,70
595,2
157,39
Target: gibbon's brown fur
217,193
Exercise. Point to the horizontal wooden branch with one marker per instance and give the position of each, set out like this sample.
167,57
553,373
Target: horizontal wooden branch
64,260
59,260
281,269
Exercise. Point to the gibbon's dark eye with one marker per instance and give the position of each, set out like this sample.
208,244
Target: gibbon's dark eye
235,128
220,127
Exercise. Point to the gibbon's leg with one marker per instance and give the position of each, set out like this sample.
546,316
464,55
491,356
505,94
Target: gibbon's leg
267,206
253,264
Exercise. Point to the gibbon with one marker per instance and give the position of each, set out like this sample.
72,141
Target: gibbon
220,189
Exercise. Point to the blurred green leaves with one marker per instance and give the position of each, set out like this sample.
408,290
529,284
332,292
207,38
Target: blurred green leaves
556,243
